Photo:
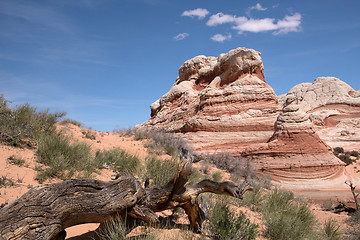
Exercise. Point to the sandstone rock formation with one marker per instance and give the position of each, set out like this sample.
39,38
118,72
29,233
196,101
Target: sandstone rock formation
334,109
225,105
295,151
221,104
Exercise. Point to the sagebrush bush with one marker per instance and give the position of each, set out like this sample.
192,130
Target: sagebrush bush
62,158
254,198
161,141
160,171
225,224
286,218
71,121
118,160
24,125
237,166
117,229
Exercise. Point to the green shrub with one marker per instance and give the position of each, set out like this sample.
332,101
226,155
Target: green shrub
6,181
71,121
354,154
338,150
195,177
285,218
118,160
332,230
254,198
62,158
160,171
117,229
346,159
217,176
25,125
225,224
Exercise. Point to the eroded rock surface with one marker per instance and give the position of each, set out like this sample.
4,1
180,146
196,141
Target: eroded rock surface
224,104
334,109
220,104
295,151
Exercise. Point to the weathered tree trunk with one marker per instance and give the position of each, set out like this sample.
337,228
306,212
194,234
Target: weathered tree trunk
355,195
45,211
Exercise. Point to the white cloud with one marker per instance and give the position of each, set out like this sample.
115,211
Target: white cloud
181,36
257,25
289,24
257,7
221,18
243,24
199,12
220,37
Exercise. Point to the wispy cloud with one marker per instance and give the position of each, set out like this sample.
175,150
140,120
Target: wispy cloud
220,37
243,24
199,12
221,18
181,36
257,7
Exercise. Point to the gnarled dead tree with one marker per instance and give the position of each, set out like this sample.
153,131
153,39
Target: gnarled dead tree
355,195
46,211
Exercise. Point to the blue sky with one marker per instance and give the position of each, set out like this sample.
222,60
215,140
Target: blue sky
105,61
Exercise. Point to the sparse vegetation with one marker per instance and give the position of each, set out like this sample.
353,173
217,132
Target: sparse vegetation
16,160
62,158
71,121
285,218
217,176
331,230
117,229
118,160
237,166
354,223
160,141
6,181
328,205
225,224
89,134
346,157
160,171
24,125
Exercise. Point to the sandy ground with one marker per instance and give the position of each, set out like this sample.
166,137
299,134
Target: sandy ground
21,179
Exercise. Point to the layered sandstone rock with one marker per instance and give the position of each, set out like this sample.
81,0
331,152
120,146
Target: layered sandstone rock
225,105
295,151
334,109
221,104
